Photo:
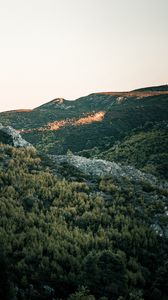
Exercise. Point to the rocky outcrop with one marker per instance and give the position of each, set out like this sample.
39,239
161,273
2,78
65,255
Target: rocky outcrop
100,167
9,135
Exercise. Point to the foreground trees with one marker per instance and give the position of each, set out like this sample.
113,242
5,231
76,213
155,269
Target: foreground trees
72,240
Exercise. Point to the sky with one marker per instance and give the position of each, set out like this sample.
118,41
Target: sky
70,48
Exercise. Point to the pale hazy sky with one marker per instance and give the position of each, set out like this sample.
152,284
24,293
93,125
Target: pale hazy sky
70,48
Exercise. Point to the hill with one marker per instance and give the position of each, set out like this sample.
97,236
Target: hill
154,88
97,120
92,224
97,238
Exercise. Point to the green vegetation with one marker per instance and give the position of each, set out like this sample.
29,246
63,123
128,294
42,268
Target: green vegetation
146,150
74,240
67,235
88,139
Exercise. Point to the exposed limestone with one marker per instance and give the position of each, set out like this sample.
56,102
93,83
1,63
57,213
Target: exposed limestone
58,103
9,135
99,167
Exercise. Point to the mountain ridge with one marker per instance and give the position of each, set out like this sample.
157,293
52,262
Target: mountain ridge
150,91
92,125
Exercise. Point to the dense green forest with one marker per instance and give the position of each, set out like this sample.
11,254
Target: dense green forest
80,239
145,148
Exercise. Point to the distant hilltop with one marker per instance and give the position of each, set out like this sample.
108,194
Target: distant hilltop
94,123
65,104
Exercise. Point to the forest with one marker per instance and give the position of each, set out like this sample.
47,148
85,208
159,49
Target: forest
81,239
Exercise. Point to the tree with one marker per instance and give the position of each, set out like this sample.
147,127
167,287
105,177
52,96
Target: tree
105,274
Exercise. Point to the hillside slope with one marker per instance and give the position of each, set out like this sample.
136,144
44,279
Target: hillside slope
97,239
93,225
93,123
145,149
